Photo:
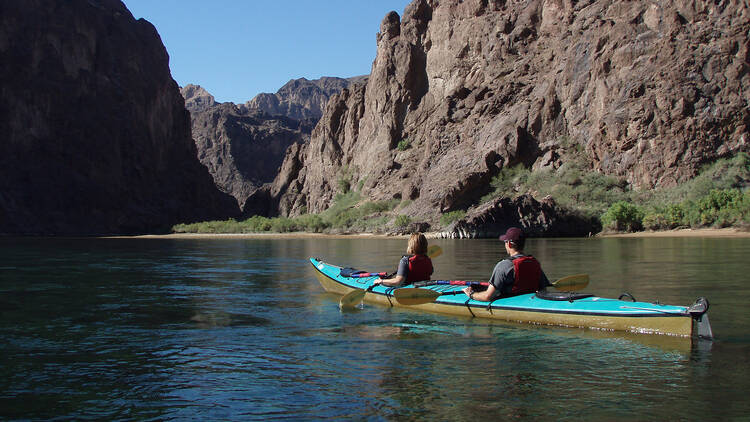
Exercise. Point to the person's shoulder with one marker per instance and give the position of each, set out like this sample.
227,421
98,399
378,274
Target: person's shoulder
505,263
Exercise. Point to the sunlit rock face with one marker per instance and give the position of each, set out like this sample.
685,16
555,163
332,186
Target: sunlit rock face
646,91
95,135
301,99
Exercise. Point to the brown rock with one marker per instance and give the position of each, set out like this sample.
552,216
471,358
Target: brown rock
647,91
243,146
537,218
301,99
96,139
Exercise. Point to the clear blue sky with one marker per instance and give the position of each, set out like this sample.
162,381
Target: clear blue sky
237,49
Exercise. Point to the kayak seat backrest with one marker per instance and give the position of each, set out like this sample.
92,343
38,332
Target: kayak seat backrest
570,296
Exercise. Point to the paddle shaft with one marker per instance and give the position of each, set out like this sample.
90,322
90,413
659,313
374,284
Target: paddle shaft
360,275
450,282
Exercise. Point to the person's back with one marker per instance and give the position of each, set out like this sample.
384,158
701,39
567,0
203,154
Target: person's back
420,268
518,274
416,266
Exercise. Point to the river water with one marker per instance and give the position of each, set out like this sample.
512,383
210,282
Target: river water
240,329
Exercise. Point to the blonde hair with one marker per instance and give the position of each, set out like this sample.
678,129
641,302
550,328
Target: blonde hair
417,244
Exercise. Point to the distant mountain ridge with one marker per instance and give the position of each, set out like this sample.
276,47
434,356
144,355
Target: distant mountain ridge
301,98
243,145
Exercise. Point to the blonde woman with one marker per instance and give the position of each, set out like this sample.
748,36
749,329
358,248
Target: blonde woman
415,266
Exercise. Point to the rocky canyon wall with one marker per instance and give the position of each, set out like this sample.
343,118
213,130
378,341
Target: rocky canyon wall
646,91
243,145
95,138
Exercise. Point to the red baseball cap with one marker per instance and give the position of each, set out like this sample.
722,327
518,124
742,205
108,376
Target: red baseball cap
512,234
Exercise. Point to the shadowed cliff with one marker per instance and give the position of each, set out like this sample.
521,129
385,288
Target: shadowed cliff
95,135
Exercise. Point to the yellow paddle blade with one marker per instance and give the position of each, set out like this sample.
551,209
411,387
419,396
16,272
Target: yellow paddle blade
434,251
415,296
572,283
352,299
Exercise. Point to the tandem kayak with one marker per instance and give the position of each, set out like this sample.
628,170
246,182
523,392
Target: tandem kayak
570,309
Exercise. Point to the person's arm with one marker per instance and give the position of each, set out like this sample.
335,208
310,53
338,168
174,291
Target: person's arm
399,278
498,278
390,282
484,296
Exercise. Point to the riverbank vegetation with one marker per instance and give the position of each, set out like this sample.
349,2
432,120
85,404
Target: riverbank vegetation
717,197
347,214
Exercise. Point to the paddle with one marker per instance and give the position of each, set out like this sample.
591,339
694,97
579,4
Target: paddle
351,299
419,296
415,296
572,283
450,282
434,251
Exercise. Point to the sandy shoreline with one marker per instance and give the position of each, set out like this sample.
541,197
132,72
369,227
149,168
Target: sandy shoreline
727,232
294,235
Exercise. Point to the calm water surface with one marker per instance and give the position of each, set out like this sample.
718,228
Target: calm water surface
121,329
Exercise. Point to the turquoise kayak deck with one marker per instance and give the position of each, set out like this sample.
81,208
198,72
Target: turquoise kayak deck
549,308
452,295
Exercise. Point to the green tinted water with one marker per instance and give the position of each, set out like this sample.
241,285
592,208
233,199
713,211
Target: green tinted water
240,329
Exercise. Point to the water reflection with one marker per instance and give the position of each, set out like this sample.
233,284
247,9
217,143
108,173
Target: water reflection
241,329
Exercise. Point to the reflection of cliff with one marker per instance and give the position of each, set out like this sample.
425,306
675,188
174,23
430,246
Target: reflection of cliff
644,91
96,138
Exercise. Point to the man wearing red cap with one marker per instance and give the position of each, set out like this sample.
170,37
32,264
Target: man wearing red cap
516,275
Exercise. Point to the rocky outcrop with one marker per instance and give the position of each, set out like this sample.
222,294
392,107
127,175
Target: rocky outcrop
645,91
95,136
243,146
243,149
301,99
197,99
538,219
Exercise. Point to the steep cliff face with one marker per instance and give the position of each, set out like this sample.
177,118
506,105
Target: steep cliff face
243,145
242,148
95,135
646,91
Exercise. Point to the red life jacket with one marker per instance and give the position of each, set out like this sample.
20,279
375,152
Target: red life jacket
420,268
528,273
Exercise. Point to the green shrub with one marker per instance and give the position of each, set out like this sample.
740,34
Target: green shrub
448,218
402,221
372,207
572,186
623,216
312,223
721,207
344,180
404,144
665,218
257,223
507,181
344,185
